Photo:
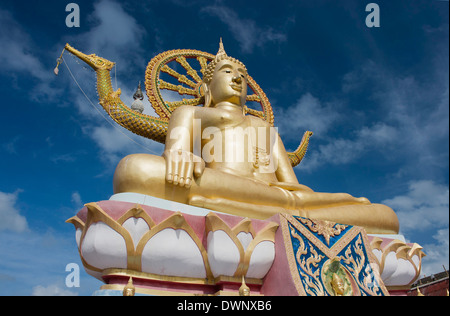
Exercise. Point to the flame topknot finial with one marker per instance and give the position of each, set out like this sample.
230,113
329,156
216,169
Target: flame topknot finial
221,51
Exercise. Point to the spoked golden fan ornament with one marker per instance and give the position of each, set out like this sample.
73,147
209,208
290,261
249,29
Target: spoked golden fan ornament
189,83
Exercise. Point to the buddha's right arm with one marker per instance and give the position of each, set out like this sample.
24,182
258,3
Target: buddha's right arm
179,132
181,163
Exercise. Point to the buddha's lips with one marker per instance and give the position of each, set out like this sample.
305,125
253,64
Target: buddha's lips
236,87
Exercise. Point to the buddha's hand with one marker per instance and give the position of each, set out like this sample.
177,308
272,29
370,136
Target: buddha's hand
182,166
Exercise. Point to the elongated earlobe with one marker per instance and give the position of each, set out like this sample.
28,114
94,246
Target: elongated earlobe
207,92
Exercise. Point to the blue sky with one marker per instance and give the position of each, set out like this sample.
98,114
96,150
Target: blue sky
375,98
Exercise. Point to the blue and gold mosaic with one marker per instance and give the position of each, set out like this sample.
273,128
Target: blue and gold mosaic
330,259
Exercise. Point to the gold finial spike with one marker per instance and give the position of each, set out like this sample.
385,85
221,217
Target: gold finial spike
138,94
129,289
244,290
419,293
221,50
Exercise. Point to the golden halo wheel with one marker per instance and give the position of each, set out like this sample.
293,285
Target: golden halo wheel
180,65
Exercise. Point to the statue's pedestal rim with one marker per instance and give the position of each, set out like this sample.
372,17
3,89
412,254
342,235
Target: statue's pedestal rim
148,200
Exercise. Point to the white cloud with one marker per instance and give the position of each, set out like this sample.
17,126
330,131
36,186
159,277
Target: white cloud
117,35
51,290
76,199
407,120
18,58
310,114
110,140
11,146
437,253
15,53
425,206
324,118
339,151
379,135
245,31
418,109
116,142
116,27
10,218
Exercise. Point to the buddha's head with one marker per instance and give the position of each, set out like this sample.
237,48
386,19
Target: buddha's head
225,80
337,283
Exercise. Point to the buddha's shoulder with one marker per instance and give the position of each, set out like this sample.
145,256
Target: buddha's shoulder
185,110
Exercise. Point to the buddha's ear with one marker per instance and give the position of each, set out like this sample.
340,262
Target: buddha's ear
207,92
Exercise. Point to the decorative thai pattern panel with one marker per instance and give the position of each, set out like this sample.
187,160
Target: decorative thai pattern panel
330,259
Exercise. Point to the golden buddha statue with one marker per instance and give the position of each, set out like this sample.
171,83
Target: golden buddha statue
338,285
238,186
219,158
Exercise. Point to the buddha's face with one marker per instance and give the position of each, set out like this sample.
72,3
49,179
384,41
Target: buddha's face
228,83
338,285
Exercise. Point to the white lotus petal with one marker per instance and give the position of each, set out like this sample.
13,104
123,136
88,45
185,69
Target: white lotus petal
137,227
261,260
223,254
173,252
103,247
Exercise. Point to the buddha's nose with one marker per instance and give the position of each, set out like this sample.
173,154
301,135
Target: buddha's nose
237,79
